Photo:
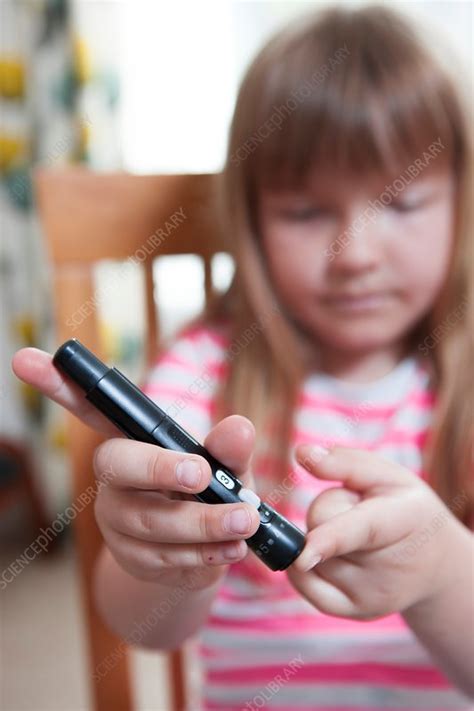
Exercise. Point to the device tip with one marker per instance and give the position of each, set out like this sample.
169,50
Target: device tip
77,361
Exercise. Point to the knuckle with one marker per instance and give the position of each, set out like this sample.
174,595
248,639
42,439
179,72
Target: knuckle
166,558
150,564
204,524
145,521
154,468
103,462
372,534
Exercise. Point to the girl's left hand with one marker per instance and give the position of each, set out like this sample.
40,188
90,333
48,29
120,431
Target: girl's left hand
385,538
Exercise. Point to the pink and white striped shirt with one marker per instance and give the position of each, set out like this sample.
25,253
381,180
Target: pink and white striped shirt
264,645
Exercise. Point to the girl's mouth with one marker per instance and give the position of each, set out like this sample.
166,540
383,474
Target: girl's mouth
359,303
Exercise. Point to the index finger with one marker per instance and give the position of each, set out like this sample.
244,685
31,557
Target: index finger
139,465
359,470
369,525
36,368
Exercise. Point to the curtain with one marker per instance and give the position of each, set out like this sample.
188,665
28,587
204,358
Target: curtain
59,99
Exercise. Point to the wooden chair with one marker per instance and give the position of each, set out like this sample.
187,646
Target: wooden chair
87,217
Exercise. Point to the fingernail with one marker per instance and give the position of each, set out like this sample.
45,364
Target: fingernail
312,563
314,452
237,521
188,473
232,551
319,451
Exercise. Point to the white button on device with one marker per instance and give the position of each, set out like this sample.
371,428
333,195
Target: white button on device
224,479
249,496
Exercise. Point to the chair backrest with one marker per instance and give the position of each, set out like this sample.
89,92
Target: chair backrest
87,217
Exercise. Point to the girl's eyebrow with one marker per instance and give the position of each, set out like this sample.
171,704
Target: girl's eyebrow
335,190
304,191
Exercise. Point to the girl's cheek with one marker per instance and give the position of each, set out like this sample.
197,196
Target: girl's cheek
296,274
422,242
297,248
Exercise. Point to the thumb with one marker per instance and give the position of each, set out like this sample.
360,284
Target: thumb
232,442
359,471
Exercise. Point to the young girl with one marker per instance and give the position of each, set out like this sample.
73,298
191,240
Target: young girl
343,345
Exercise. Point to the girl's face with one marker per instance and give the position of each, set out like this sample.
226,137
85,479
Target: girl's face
357,264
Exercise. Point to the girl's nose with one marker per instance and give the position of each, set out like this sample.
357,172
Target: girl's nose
357,247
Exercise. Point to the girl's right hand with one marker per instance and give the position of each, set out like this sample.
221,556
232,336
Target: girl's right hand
151,523
153,526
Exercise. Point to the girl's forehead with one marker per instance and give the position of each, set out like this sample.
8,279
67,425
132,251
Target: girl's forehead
335,183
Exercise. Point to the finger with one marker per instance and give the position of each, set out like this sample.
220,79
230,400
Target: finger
231,442
329,503
369,525
339,587
147,561
127,463
358,470
162,520
322,592
35,367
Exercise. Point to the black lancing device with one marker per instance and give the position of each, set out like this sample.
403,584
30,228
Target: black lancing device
277,541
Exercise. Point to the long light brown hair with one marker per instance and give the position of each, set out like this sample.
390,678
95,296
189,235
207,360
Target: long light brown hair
373,112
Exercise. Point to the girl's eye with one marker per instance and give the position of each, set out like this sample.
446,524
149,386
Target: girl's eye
304,214
399,206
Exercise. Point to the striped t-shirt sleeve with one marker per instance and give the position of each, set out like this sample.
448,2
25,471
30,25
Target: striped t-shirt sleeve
183,379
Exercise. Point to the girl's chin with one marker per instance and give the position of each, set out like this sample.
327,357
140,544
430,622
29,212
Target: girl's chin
355,337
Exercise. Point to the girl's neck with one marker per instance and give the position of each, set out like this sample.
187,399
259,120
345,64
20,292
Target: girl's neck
362,366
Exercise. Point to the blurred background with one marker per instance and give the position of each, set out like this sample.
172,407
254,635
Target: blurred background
146,87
